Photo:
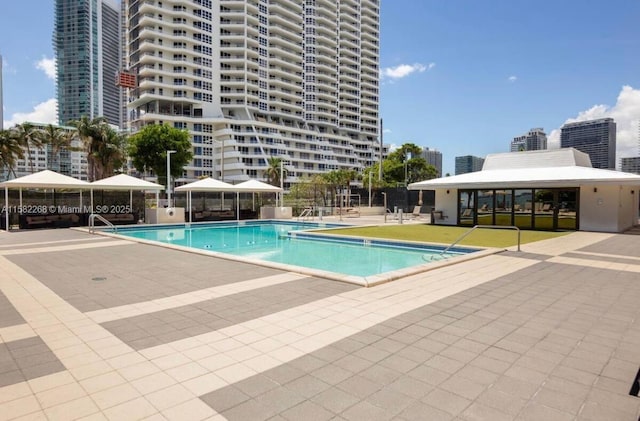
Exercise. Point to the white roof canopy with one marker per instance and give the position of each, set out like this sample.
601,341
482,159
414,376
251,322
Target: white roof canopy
207,184
556,168
124,182
46,179
256,186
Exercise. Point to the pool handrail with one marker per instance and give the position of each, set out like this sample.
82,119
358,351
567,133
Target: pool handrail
482,226
92,222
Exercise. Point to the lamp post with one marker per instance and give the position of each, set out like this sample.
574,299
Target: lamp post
406,174
281,182
169,177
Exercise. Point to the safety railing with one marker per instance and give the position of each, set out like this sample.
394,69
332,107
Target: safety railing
306,213
92,222
463,236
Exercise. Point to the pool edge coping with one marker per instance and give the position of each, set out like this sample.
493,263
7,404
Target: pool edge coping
364,281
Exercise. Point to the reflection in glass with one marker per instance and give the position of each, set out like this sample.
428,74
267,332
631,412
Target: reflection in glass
467,205
485,207
504,208
567,215
544,207
522,205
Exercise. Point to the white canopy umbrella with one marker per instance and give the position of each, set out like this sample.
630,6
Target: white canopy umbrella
45,179
206,184
124,182
254,186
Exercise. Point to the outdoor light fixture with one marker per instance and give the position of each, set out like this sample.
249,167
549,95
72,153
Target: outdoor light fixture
595,190
447,191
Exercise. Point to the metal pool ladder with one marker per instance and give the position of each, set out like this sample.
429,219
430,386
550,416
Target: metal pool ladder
92,222
306,213
473,229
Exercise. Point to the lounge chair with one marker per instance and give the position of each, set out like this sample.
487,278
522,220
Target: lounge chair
416,212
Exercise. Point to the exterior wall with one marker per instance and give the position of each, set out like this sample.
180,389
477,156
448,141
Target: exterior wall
447,203
628,215
611,208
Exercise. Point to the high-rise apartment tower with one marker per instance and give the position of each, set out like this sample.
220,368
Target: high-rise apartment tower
597,138
433,157
251,80
535,140
86,42
468,163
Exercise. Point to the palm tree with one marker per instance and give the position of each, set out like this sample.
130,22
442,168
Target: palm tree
110,152
92,134
58,140
10,151
272,173
28,137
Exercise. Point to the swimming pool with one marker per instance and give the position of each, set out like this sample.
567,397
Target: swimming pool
285,243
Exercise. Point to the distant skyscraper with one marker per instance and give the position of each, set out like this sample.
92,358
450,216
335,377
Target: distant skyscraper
631,164
468,163
535,140
597,138
86,42
433,157
254,80
1,103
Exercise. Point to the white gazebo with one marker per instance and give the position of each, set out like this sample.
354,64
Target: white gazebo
45,179
205,185
255,186
125,182
551,189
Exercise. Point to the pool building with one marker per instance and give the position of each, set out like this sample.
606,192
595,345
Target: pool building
542,190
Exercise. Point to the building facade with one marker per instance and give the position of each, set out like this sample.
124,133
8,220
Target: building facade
433,157
71,162
86,43
535,140
468,163
1,97
597,138
630,164
251,80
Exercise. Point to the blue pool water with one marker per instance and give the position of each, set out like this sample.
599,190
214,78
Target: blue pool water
282,242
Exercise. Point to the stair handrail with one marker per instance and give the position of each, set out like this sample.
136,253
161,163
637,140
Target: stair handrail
92,222
462,237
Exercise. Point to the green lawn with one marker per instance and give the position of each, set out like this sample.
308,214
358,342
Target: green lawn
481,237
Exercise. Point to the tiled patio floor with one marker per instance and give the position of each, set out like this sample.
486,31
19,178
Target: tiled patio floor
99,328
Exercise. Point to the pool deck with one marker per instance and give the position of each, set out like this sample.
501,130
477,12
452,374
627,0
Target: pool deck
99,328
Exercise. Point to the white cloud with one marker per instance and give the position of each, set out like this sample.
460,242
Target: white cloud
512,78
404,70
625,112
48,66
45,113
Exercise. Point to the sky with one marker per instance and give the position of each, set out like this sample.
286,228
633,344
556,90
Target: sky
460,76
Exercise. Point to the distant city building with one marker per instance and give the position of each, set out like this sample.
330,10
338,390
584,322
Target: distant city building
535,140
86,43
631,164
1,103
433,157
68,162
597,138
468,163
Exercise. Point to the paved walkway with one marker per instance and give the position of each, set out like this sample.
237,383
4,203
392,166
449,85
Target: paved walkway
99,328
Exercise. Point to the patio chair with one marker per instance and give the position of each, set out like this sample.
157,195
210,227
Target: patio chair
416,212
